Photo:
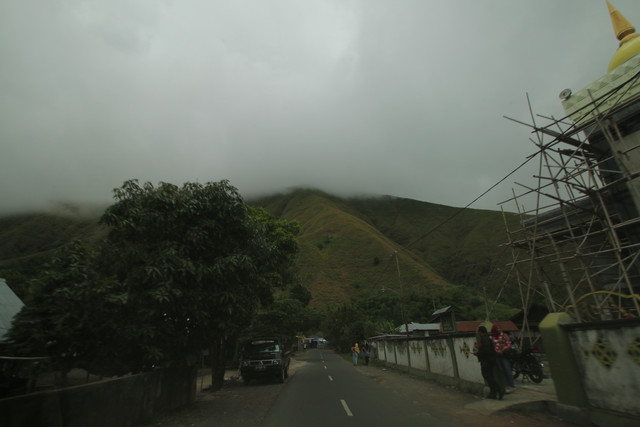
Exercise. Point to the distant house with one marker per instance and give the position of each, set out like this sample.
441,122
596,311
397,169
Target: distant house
10,305
419,329
448,311
471,326
446,317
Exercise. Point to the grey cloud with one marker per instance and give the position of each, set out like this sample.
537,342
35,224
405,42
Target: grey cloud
378,97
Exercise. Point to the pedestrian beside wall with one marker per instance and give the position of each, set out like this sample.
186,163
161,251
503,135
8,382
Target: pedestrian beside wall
488,364
502,343
367,353
355,352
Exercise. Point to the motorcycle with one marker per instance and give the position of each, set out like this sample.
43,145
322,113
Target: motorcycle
526,362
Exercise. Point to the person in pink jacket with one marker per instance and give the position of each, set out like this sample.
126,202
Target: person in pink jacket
501,343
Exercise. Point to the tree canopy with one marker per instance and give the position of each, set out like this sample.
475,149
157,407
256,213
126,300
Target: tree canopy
72,316
181,267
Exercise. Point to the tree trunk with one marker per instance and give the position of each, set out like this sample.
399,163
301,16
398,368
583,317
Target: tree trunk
218,353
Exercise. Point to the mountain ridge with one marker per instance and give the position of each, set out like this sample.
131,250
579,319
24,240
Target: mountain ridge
463,245
349,247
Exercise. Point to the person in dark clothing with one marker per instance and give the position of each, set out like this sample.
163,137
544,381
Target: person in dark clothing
501,345
367,353
488,365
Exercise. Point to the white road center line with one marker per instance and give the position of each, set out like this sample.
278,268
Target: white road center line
346,408
330,378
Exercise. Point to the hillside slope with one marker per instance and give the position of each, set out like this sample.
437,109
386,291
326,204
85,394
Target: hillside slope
28,241
348,246
447,245
342,255
464,245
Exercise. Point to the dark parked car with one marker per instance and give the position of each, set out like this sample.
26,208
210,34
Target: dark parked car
264,357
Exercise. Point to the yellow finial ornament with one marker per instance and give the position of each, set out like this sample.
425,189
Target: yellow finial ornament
623,28
626,33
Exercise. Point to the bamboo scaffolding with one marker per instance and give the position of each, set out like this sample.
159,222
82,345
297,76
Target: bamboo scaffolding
574,245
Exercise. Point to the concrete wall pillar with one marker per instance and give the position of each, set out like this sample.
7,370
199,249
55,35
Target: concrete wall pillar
426,355
454,359
564,370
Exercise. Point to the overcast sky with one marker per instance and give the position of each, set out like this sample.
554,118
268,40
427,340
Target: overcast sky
404,98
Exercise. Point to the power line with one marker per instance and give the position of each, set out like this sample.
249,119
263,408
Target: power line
558,139
460,210
528,159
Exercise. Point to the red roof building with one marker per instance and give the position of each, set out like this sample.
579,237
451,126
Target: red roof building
472,326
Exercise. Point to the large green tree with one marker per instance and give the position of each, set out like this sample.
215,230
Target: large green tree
182,268
287,316
345,325
196,262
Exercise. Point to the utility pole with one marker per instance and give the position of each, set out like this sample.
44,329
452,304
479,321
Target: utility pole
404,316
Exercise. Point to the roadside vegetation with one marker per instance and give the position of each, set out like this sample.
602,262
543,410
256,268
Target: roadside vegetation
181,269
166,271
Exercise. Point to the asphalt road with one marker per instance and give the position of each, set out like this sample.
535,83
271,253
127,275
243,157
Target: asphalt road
325,390
331,392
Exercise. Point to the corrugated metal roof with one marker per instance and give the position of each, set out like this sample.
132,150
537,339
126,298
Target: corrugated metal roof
442,310
10,305
419,327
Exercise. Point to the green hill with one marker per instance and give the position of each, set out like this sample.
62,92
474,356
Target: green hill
348,246
342,255
27,242
463,245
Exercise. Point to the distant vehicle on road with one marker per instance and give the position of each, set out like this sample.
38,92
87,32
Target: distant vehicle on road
262,357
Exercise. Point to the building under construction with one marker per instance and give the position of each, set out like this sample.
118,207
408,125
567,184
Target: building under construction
578,244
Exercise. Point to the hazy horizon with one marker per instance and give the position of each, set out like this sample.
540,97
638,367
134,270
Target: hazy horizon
402,98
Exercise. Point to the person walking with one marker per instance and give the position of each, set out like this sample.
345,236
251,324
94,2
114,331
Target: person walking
502,343
488,364
355,352
367,353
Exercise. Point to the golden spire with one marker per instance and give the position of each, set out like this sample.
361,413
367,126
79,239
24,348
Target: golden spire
623,28
626,33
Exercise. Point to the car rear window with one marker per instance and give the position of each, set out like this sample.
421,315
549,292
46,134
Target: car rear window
263,346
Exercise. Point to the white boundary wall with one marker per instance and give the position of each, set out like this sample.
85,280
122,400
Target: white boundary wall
609,359
444,356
